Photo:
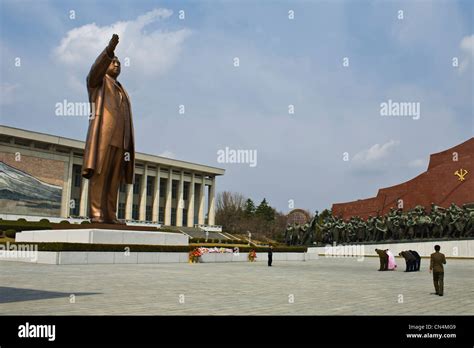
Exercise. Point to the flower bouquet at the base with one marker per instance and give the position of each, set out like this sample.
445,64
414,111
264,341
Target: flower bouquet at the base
194,255
252,256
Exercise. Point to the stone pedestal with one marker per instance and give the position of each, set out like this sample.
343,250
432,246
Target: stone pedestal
102,236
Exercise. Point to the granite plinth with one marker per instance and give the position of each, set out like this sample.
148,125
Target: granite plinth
102,236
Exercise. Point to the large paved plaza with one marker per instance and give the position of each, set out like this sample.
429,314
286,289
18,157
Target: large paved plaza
326,286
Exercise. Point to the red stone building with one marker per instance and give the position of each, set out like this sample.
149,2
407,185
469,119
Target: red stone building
448,179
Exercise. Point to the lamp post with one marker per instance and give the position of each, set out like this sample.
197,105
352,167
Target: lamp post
250,236
207,235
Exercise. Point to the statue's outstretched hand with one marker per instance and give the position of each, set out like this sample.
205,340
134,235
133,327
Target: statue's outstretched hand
88,173
113,43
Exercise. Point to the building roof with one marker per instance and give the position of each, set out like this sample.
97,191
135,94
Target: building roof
80,145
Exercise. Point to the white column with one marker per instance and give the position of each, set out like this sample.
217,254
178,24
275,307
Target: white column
180,202
191,202
169,184
129,202
202,199
67,188
143,182
212,203
156,197
84,198
118,201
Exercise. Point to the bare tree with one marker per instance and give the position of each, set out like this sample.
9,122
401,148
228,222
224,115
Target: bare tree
230,213
229,210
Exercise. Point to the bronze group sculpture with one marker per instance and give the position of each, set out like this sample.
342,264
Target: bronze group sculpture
451,222
109,156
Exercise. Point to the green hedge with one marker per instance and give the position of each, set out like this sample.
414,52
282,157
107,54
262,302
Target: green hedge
24,225
217,241
233,241
143,248
167,230
10,233
246,248
275,249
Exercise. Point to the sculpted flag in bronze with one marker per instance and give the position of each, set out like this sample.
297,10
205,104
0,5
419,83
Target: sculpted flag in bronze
109,157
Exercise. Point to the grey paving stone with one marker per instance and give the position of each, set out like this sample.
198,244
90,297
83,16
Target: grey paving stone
327,286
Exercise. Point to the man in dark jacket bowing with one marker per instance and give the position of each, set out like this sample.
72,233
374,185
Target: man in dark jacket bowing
409,259
417,263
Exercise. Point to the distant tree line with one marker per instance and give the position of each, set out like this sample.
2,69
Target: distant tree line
239,214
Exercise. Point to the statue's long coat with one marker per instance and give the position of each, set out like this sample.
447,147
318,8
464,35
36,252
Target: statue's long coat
101,91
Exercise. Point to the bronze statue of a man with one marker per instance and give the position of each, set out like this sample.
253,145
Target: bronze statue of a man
109,156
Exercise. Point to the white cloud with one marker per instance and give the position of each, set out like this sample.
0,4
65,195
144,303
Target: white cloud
418,163
467,46
150,52
7,93
375,152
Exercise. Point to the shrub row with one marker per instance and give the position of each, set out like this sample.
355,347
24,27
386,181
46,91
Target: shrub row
217,241
10,233
106,247
246,248
282,249
141,248
165,229
23,225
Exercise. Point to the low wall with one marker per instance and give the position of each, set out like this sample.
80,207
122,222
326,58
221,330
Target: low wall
228,257
104,257
102,236
451,248
95,257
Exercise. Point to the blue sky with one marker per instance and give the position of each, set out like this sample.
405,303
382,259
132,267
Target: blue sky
282,62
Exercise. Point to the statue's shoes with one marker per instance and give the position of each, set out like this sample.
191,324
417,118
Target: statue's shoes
116,222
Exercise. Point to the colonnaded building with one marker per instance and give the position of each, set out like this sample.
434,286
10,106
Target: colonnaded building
40,175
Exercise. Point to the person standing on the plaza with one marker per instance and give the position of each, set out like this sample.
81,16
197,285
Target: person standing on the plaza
270,256
436,265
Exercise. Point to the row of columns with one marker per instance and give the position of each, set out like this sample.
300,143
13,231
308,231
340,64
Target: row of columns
168,199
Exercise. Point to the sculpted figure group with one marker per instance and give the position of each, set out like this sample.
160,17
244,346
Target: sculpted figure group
417,223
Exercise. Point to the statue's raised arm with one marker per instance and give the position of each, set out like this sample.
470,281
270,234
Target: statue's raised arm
101,64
